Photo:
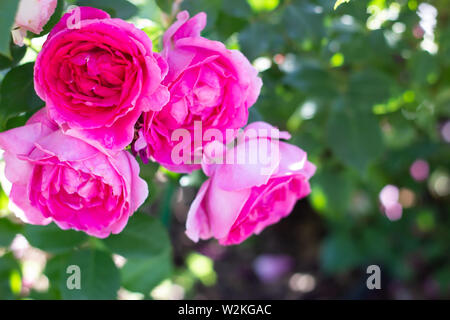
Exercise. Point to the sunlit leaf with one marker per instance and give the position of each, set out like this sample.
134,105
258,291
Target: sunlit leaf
339,2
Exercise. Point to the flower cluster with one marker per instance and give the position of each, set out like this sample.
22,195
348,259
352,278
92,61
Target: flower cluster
106,89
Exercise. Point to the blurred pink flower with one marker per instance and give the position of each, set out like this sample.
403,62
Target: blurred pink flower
445,131
419,170
389,197
394,211
270,267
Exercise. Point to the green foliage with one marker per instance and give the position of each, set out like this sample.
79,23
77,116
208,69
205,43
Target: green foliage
146,246
364,103
143,237
16,54
8,231
52,239
354,136
302,21
143,274
17,92
8,10
100,278
211,7
165,5
237,8
9,273
118,8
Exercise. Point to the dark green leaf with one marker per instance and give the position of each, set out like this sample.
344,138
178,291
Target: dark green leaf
8,267
143,274
16,121
17,92
302,20
143,237
211,7
424,68
337,188
53,239
165,5
8,9
8,231
237,8
312,79
254,115
259,39
16,54
228,25
55,271
100,278
118,8
339,253
370,87
354,135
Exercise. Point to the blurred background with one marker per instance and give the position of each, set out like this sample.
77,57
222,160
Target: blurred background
363,88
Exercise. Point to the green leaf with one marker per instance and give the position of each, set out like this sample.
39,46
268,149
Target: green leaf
251,40
354,135
237,8
301,21
211,7
165,5
9,270
339,253
143,237
370,87
424,68
8,9
100,278
339,2
8,231
228,25
53,239
143,274
16,54
254,115
312,79
263,5
336,189
118,8
55,271
17,92
16,121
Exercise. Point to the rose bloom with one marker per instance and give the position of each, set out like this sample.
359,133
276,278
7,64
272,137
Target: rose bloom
32,15
242,198
208,83
60,178
97,75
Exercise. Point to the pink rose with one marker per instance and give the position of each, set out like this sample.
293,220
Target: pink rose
32,15
97,75
60,178
244,197
208,84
